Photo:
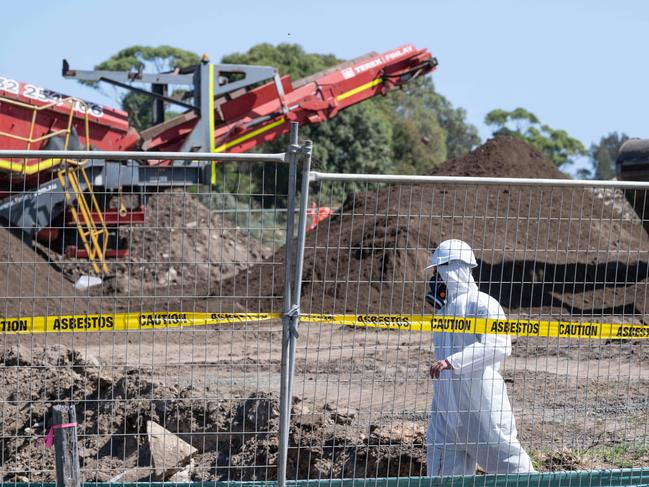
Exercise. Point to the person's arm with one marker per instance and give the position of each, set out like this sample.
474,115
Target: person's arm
490,350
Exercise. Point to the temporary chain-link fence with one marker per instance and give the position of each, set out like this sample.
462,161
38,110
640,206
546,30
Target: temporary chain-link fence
564,251
163,307
123,288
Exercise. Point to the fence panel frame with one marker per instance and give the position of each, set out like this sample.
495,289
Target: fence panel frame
295,155
291,312
620,476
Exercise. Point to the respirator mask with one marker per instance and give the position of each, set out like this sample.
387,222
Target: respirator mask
436,295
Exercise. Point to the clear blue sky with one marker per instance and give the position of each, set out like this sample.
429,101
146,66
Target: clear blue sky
578,65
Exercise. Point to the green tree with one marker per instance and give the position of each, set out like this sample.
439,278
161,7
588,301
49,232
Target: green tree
604,154
286,58
419,142
420,101
357,139
557,145
140,58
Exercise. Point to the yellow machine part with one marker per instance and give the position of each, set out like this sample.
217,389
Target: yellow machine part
93,235
90,232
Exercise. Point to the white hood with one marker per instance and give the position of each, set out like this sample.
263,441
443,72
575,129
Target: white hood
458,278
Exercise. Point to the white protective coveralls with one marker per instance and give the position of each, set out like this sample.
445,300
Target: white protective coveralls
471,419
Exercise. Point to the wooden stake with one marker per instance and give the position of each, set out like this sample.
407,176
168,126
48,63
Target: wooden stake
68,473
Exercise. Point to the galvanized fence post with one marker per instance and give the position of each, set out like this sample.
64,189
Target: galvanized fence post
299,258
292,309
285,377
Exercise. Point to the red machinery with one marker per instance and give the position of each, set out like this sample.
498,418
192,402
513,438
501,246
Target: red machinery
225,117
29,115
260,115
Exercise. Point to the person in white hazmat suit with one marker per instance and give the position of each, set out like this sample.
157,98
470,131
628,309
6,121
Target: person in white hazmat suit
471,418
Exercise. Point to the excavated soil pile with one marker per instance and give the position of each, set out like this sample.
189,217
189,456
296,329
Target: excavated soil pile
182,250
30,285
235,438
501,157
182,246
541,249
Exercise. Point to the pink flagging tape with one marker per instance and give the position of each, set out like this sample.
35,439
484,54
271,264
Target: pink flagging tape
49,438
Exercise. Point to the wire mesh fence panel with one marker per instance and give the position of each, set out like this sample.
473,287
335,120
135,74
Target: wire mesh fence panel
152,304
575,256
129,290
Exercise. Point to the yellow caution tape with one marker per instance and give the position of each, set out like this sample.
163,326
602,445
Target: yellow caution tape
416,323
480,326
124,321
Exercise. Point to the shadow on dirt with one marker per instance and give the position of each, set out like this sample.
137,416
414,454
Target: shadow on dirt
533,284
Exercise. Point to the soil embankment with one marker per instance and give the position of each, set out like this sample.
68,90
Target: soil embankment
542,249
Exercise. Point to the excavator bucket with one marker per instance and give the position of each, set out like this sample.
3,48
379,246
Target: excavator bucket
632,164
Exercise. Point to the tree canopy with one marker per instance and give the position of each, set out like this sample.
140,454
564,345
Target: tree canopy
286,58
557,145
604,153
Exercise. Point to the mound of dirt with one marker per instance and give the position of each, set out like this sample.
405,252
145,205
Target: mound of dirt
236,438
501,157
182,247
182,243
541,249
31,285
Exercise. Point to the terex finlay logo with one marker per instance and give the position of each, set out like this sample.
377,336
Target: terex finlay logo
352,71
